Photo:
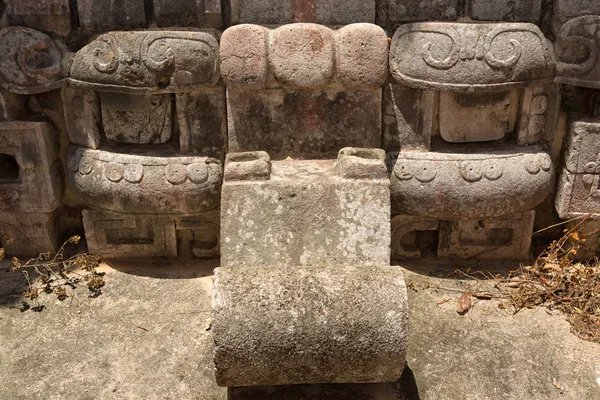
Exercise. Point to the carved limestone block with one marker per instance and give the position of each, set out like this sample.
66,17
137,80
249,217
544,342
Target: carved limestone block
566,9
202,118
470,183
12,106
30,179
408,240
292,99
247,166
470,57
577,47
28,234
112,14
30,61
82,116
163,183
198,13
307,212
328,12
507,237
46,15
578,192
507,10
540,107
394,12
117,235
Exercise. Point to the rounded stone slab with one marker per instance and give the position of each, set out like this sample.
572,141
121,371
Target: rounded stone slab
291,325
144,184
463,56
577,48
304,55
30,61
147,61
466,185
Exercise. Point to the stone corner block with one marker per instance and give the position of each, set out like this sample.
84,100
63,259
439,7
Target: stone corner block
358,163
247,166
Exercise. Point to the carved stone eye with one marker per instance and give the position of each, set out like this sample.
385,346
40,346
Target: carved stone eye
471,172
114,171
176,173
424,171
493,169
133,173
86,165
532,164
403,171
198,172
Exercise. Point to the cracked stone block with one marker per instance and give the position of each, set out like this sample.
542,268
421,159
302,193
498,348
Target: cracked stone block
82,116
112,14
154,181
202,132
198,13
306,212
30,61
398,11
465,183
576,50
334,323
47,15
507,10
120,235
506,238
566,9
28,234
327,12
578,192
30,173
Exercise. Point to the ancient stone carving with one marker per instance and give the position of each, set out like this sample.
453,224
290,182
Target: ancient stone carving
404,235
247,166
563,10
30,61
577,48
461,56
202,132
30,178
449,185
45,15
82,116
111,14
507,10
130,183
539,112
12,106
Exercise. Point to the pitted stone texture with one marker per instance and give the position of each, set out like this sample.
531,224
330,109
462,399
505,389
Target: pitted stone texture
46,15
136,119
82,116
30,61
306,214
462,56
540,108
147,61
28,234
307,56
328,12
303,124
30,173
159,182
247,166
188,13
578,191
112,14
407,240
333,324
507,10
576,49
396,11
131,236
566,9
362,163
202,119
12,106
504,238
467,184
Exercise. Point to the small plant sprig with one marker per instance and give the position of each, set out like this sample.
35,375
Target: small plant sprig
53,273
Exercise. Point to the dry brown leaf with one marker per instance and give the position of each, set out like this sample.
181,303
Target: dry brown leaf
464,304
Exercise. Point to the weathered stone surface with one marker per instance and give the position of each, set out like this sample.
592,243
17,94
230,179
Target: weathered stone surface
506,238
577,50
417,10
30,61
137,119
130,236
407,240
28,234
46,15
247,166
162,182
507,10
202,118
462,56
30,178
578,191
329,12
333,324
540,107
467,184
307,214
188,13
12,106
112,14
147,61
566,9
303,124
82,116
307,56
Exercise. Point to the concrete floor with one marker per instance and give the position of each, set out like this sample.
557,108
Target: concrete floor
148,337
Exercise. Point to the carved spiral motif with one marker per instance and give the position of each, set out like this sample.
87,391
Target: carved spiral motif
43,48
453,56
106,56
86,165
160,48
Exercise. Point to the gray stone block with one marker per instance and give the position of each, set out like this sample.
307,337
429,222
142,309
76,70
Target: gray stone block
538,117
327,12
417,10
159,181
112,14
198,13
28,234
46,15
406,243
307,213
12,106
466,183
576,49
82,116
330,324
566,9
507,10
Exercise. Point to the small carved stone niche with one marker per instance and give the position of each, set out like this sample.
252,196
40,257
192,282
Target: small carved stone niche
9,169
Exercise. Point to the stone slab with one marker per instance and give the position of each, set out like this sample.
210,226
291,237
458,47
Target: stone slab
507,10
416,10
112,14
28,234
83,116
47,15
199,13
576,50
334,324
307,214
539,114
